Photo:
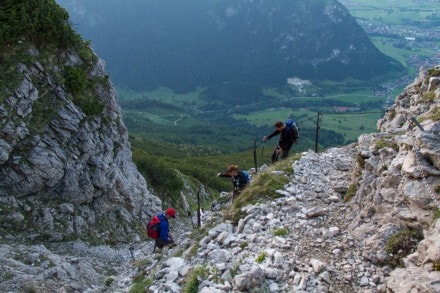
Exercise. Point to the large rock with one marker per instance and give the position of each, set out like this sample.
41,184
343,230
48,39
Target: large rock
54,156
253,278
414,279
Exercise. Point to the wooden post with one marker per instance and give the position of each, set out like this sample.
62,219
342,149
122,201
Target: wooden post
199,222
318,125
255,156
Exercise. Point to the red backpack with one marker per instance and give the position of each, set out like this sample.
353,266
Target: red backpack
153,227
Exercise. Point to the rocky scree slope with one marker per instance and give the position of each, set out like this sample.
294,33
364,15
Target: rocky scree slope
65,162
347,218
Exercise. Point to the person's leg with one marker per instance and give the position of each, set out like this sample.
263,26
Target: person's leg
275,154
284,154
158,243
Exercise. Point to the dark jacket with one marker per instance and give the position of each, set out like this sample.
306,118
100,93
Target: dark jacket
164,229
240,180
286,138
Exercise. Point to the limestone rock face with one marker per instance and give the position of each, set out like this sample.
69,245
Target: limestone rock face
397,175
67,173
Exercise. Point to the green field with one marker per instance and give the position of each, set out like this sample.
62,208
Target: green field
391,12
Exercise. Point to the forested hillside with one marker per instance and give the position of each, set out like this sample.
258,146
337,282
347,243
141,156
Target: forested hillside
191,43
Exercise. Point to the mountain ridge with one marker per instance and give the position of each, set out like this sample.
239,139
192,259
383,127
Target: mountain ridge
190,44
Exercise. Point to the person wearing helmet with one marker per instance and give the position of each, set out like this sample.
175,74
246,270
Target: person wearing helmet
164,228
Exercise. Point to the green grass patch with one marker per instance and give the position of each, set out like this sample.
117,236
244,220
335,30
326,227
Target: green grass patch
192,280
385,143
262,188
141,283
281,231
351,192
437,214
401,244
261,257
142,262
428,97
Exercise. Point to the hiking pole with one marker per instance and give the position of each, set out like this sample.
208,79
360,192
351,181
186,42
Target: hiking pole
199,223
131,248
190,216
255,156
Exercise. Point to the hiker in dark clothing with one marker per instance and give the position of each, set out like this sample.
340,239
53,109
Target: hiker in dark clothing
164,228
240,178
288,136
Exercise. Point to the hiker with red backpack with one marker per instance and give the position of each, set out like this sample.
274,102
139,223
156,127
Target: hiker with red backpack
159,229
288,136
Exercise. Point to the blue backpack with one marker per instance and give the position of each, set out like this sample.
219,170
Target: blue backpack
246,174
290,123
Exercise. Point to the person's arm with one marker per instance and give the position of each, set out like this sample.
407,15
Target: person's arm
223,175
276,132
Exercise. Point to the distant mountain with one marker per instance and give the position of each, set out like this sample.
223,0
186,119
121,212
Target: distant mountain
183,44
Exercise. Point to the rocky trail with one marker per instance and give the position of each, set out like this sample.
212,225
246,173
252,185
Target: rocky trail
297,243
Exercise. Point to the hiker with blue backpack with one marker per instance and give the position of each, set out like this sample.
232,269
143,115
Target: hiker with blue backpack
240,179
288,136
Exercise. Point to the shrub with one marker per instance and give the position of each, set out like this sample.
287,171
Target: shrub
402,244
244,244
39,21
261,257
90,105
75,80
192,283
437,189
351,192
281,231
108,281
